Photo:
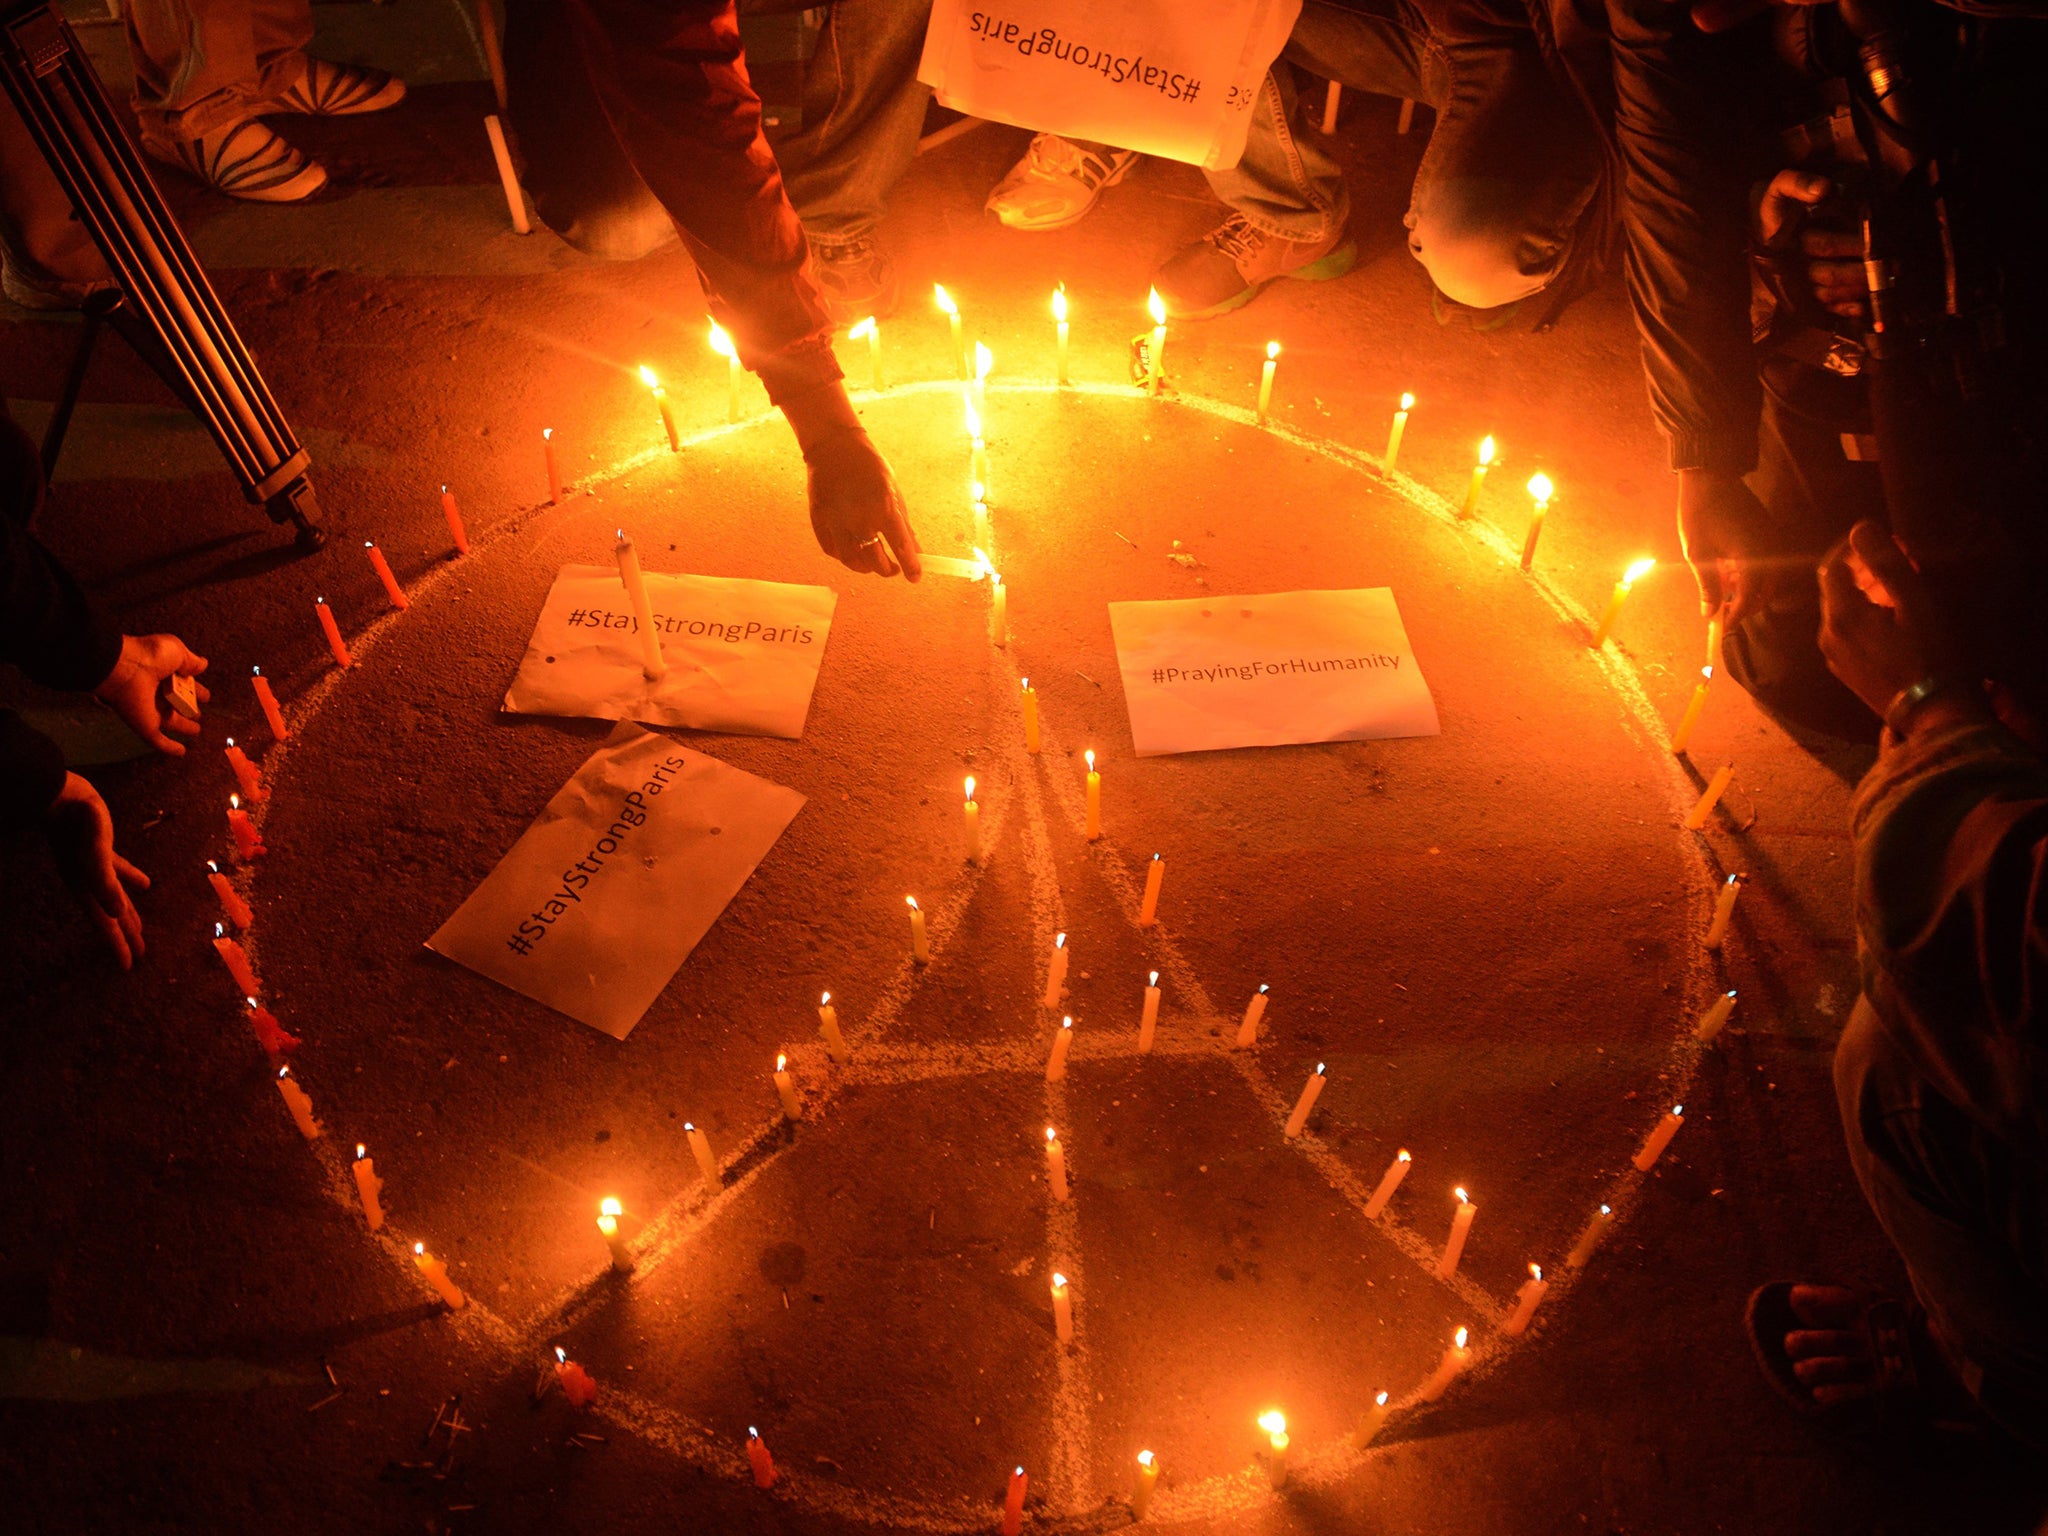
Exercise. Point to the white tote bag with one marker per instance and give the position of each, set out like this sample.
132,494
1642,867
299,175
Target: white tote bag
1174,78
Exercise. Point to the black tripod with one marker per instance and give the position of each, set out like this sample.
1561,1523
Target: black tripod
165,308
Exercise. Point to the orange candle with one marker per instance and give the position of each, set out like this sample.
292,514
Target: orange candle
246,774
1255,1010
668,417
1447,1368
1056,973
920,950
1030,717
333,632
248,841
236,959
1013,1504
270,1034
437,1276
1148,1018
382,566
1062,1309
1148,909
1056,1165
231,903
1526,1301
1471,506
577,1384
785,1088
1540,490
547,449
1660,1138
1390,1181
1056,1065
454,515
1398,430
370,1187
1274,1423
268,700
609,1210
758,1458
301,1107
1454,1245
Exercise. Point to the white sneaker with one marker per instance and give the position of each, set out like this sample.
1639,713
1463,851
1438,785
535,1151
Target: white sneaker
1056,183
246,160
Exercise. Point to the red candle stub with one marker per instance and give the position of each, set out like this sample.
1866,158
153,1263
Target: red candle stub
268,700
578,1385
454,515
382,566
332,630
231,903
247,774
236,959
759,1459
248,841
1013,1504
276,1041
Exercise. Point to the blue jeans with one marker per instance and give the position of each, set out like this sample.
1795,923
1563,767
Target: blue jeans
1512,164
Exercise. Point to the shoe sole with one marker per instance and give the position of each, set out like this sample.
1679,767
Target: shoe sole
1068,223
1321,270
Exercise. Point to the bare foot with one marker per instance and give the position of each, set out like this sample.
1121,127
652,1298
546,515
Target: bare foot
1831,1355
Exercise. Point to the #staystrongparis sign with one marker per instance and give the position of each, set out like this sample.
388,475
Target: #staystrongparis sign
605,895
742,655
1211,672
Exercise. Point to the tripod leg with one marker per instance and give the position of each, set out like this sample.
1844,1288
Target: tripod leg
74,380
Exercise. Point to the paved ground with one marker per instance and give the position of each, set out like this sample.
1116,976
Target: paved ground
1486,934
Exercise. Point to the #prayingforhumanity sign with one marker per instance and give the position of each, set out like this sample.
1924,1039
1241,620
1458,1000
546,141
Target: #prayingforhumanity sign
742,655
1210,672
605,895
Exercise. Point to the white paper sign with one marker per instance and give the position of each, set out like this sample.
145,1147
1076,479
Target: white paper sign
606,894
742,655
1209,672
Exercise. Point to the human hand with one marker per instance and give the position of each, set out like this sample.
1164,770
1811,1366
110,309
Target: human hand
856,510
1875,649
1834,257
132,689
82,837
1720,528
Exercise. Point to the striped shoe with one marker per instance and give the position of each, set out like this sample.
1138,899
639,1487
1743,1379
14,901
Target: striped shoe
246,160
340,90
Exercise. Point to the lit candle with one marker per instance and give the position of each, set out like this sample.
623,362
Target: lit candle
1013,1500
246,774
270,1035
919,950
721,343
977,453
982,540
1056,973
952,312
437,1276
700,1148
1540,488
332,630
1714,634
1660,1138
1030,697
1454,1245
577,1384
1062,1309
1148,908
296,1101
508,178
1696,818
1274,1423
828,1026
1447,1369
231,903
759,1460
668,416
1056,1064
453,513
369,1187
873,333
999,611
382,567
1390,1181
1398,430
1141,1488
1526,1301
1266,379
1636,572
785,1087
1471,506
268,700
1683,735
547,449
1148,1020
1372,1421
1255,1010
236,959
984,360
1157,375
1311,1091
1717,930
1059,315
1590,1238
1056,1165
643,607
1711,1021
248,841
609,1210
1094,829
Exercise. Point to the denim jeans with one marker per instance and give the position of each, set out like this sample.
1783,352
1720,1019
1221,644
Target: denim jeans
1512,164
1969,1216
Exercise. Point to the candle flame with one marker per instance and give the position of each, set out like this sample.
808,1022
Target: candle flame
1486,450
231,741
1067,1022
1090,755
1059,303
1463,1198
1051,1134
1145,1459
781,1062
1272,350
1025,685
361,1151
983,566
689,1125
209,863
912,900
1459,1337
1638,571
1273,1422
419,1251
1678,1111
253,672
824,999
609,1206
561,1354
547,434
219,932
1381,1400
1018,1473
234,802
1059,940
1606,1210
753,1433
862,329
970,789
980,491
983,360
1263,988
284,1071
944,299
1319,1069
1540,486
649,377
1404,1156
1535,1271
1059,1281
1706,676
1731,991
1156,306
1154,981
1407,401
721,341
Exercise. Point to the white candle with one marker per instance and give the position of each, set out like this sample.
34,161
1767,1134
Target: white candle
1715,627
1056,973
1094,828
721,343
1635,573
1059,315
982,537
1454,1245
1390,1181
1062,1308
1590,1238
1055,1165
1266,379
919,950
1274,1423
1148,909
999,611
508,178
952,312
1724,911
1056,1064
873,333
973,811
1447,1369
785,1088
828,1026
1540,489
1472,489
1372,1421
1683,735
608,1212
984,360
1029,695
1255,1010
668,415
1660,1138
1311,1091
1696,818
1526,1301
1148,1020
1398,430
1711,1021
1141,1488
1157,307
369,1187
643,608
700,1148
437,1276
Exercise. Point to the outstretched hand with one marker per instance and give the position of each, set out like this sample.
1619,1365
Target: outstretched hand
856,510
1721,527
82,837
134,689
